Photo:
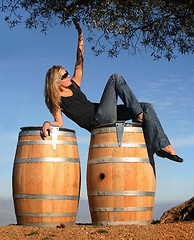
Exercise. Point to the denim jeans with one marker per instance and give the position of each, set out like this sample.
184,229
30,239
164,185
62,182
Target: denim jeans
109,112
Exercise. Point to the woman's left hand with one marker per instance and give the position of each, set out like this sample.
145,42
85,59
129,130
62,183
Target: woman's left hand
46,128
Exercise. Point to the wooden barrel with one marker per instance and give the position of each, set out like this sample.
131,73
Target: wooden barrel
120,179
46,183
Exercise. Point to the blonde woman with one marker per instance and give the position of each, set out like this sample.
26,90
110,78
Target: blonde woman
63,95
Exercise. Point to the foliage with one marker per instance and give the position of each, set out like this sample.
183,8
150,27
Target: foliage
155,221
32,233
102,231
114,25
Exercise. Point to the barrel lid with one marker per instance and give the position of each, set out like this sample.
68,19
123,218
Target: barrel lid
31,128
114,125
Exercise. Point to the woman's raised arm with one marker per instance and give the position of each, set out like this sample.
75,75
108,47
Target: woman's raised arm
78,72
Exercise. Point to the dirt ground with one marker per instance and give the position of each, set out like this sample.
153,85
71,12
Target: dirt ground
179,230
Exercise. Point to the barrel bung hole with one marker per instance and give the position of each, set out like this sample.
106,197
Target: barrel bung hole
102,176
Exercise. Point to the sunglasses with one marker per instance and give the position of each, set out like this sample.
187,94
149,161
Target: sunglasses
64,75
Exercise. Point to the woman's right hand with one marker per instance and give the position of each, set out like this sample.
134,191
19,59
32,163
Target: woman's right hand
46,128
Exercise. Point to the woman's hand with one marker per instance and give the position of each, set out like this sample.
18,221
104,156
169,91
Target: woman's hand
46,128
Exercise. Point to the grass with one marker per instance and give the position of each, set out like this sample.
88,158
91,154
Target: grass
102,231
32,233
155,221
49,236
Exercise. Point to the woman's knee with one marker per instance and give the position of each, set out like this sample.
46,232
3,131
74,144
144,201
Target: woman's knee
147,105
116,78
116,75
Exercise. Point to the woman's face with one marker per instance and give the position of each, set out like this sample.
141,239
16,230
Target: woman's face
65,82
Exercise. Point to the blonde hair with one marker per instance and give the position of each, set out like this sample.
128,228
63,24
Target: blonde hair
51,90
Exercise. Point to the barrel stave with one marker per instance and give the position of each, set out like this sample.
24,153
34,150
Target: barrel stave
118,201
109,218
39,221
42,178
120,180
46,183
117,176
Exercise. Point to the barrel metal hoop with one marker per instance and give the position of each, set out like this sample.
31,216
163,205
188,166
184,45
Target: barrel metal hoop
49,142
147,222
37,133
46,196
19,214
113,145
120,160
44,224
113,129
46,159
121,209
121,193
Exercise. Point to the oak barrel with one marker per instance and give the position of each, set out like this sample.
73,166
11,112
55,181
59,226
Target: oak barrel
46,182
120,176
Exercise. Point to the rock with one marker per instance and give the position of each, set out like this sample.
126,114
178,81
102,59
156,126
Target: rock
182,212
62,225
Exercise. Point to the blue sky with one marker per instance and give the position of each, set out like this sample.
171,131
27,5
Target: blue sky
25,57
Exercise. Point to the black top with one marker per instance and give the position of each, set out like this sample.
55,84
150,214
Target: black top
78,108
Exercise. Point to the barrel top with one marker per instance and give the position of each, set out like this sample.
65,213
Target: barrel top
114,124
33,128
118,127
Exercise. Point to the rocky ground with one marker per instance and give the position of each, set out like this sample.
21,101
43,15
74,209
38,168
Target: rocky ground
179,230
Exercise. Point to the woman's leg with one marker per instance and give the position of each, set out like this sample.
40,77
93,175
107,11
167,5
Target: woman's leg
152,128
153,131
107,109
108,112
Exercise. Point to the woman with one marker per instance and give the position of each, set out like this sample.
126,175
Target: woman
63,94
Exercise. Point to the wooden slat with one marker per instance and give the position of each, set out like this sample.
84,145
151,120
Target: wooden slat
41,188
114,177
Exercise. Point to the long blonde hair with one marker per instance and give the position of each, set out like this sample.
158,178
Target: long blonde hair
51,90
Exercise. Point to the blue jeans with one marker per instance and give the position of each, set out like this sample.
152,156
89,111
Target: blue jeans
109,112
